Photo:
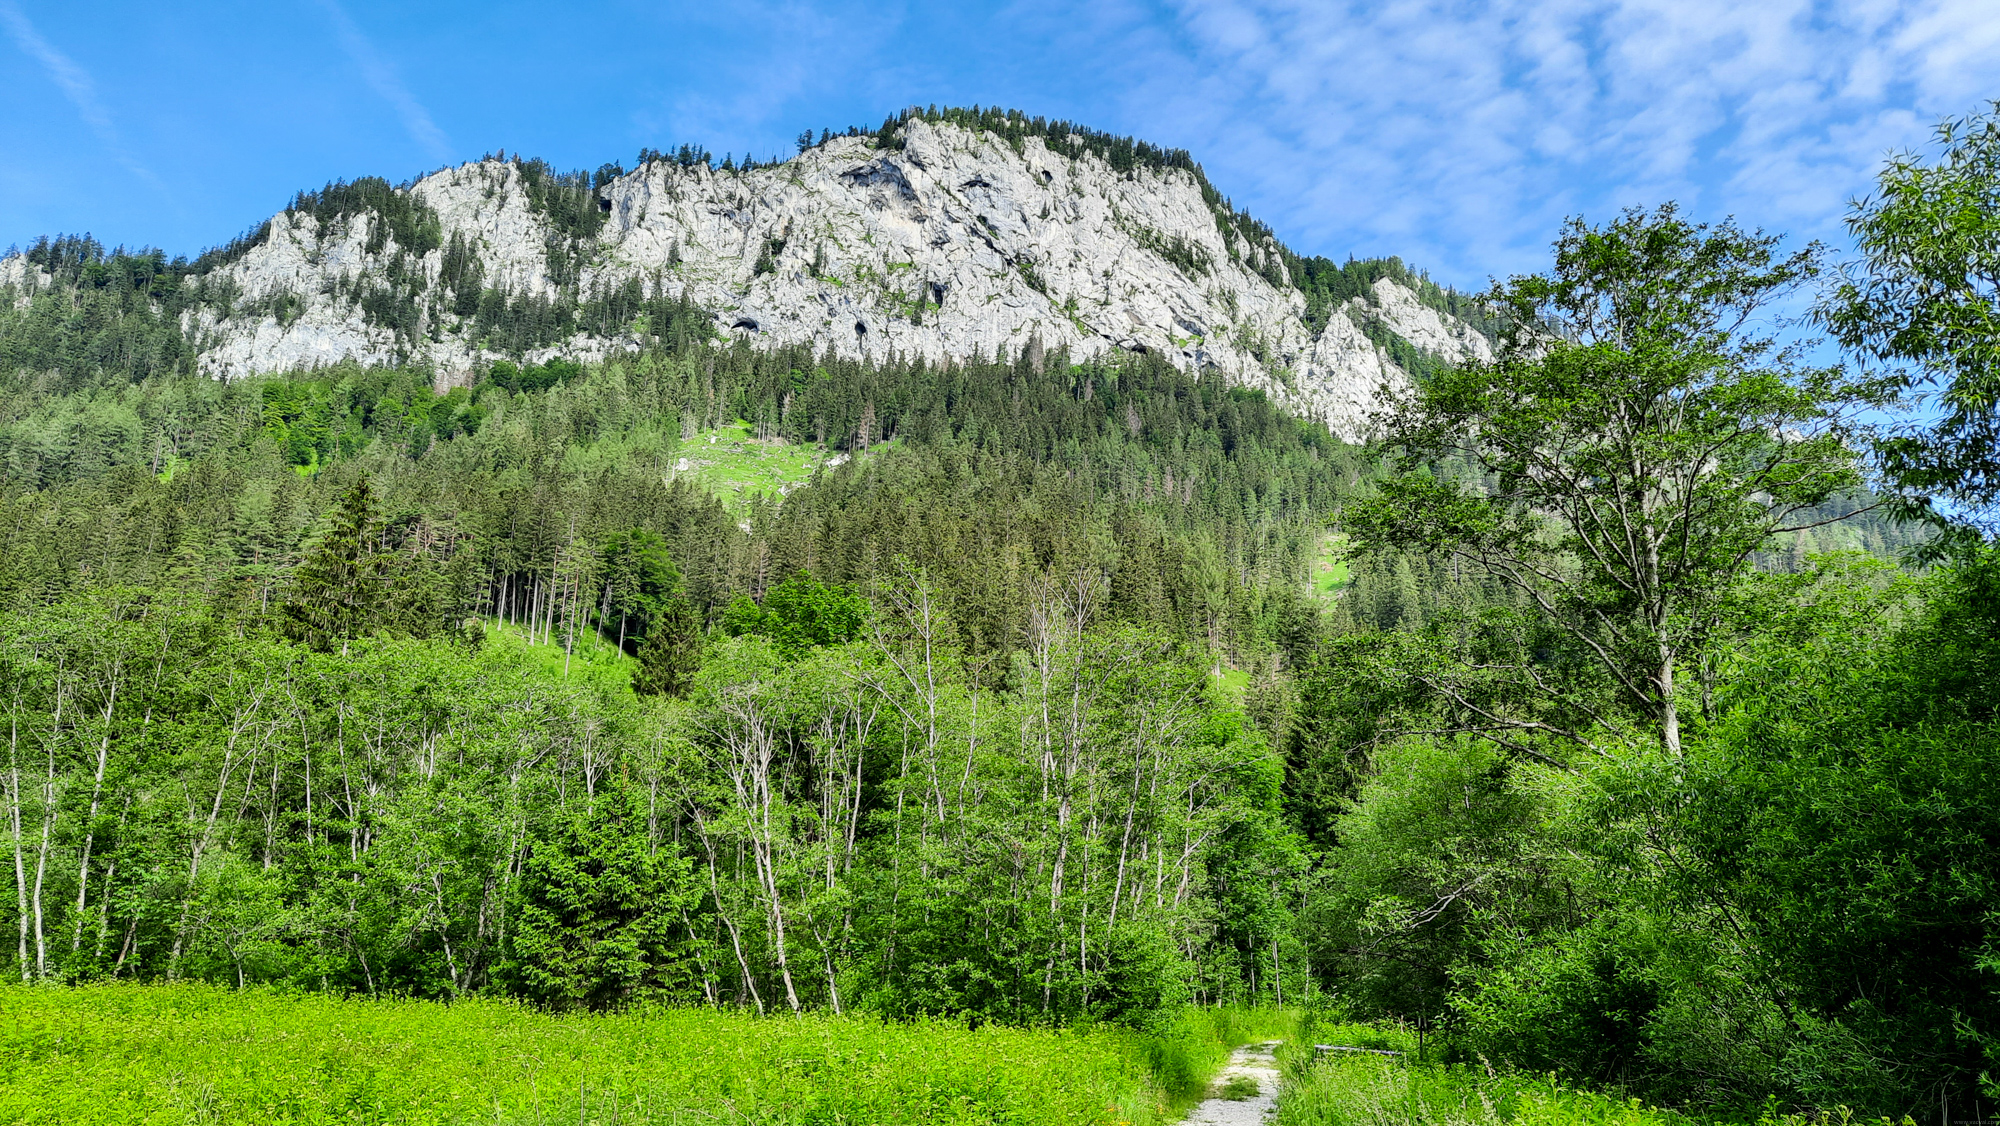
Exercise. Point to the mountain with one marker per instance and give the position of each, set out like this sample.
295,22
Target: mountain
945,235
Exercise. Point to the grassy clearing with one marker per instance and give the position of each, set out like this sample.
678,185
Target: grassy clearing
1231,685
1329,570
735,465
196,1054
592,658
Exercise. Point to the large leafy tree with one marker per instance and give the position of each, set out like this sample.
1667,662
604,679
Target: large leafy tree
1638,438
799,614
1925,295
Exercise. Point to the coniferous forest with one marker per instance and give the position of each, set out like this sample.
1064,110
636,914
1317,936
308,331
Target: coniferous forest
1625,711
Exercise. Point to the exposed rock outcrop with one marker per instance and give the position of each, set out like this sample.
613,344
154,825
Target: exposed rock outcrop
957,243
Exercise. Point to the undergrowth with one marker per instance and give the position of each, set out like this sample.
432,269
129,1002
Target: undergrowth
1375,1088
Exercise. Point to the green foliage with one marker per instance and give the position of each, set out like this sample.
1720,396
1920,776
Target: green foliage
337,591
640,578
1625,472
1841,810
514,323
599,910
1124,154
1924,295
107,1054
118,312
655,620
1789,911
568,203
1349,1089
798,614
392,214
533,377
767,256
670,654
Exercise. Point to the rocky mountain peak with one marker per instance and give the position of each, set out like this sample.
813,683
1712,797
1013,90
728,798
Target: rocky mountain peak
939,238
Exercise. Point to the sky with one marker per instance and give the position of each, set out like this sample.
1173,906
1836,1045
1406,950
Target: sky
1457,135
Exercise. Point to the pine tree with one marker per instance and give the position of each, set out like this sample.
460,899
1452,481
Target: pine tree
337,592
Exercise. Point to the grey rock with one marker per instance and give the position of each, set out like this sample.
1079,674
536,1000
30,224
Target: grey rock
956,245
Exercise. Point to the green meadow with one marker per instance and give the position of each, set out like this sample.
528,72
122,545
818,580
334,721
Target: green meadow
736,465
187,1054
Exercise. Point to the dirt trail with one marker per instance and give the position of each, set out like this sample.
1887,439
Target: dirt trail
1254,1062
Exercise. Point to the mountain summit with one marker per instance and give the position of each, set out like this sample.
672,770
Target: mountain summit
944,235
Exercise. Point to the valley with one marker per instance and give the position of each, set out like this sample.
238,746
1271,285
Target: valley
962,624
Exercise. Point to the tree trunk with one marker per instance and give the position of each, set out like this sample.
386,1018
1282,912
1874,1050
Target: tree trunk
14,825
90,820
1670,716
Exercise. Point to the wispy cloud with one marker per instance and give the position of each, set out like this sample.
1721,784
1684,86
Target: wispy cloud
765,91
76,85
1460,132
382,78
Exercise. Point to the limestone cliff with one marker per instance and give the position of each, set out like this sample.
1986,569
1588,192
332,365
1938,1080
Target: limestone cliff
949,243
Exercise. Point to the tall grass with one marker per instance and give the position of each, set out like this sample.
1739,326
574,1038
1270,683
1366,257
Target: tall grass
1183,1055
1355,1089
189,1054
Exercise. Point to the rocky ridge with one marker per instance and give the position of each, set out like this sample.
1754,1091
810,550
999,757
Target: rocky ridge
951,243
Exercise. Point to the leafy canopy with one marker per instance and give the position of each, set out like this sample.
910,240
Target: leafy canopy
1633,444
1926,293
798,614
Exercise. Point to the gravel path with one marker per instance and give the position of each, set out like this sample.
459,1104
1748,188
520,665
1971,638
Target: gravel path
1253,1062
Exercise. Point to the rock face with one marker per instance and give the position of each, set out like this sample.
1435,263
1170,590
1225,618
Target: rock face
958,243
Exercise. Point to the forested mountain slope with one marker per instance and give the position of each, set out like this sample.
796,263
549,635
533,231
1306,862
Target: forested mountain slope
948,234
1021,701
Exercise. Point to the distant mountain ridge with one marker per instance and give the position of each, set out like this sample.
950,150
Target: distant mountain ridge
946,234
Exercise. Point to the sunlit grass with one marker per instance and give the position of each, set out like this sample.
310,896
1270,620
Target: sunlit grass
184,1054
1372,1088
1330,573
735,465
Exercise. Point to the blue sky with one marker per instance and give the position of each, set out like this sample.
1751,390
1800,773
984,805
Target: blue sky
1456,134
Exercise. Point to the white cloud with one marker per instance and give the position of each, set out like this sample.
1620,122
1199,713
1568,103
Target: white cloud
382,78
1460,132
791,63
76,85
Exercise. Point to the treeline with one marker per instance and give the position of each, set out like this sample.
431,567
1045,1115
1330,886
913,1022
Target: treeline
866,825
138,313
108,311
975,764
1202,504
1327,284
1123,154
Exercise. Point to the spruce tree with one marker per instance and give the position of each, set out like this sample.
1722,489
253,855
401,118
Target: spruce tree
671,653
337,592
